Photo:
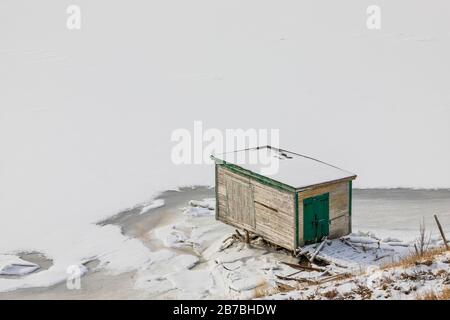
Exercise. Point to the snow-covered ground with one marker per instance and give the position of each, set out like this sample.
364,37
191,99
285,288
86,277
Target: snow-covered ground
414,281
177,250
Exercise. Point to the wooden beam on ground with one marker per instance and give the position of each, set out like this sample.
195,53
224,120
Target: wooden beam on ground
247,237
313,256
309,281
300,267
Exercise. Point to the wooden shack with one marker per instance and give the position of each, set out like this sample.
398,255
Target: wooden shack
303,201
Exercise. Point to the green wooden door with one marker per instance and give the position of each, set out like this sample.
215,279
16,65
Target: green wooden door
316,218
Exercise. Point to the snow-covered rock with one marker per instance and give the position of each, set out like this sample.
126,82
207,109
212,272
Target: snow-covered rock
11,265
171,236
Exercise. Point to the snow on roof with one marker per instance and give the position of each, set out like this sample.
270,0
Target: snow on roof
292,169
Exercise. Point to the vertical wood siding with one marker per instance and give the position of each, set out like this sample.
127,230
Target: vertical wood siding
249,204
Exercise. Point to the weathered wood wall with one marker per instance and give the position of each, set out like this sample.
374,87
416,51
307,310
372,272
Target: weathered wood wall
249,204
339,198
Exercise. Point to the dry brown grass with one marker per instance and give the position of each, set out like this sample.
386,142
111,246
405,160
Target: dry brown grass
332,294
416,258
444,295
423,253
265,289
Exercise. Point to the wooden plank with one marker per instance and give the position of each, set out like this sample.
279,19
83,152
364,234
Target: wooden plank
273,197
272,219
273,226
229,174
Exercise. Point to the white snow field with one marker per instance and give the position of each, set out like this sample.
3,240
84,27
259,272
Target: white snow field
86,116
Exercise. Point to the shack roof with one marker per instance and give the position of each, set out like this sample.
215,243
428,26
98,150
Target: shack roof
286,167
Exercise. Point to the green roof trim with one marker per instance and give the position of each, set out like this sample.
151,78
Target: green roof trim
263,179
297,239
350,199
350,195
216,191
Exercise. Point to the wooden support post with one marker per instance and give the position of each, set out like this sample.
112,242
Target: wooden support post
239,235
313,256
247,237
441,231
